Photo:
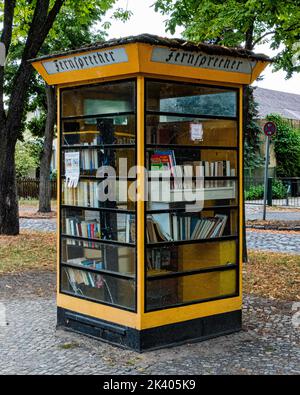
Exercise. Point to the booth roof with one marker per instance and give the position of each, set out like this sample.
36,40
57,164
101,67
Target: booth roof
175,43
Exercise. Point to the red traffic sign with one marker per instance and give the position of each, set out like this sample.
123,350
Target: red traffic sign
270,129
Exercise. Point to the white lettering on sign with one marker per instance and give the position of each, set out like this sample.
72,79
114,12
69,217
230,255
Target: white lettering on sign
86,61
202,60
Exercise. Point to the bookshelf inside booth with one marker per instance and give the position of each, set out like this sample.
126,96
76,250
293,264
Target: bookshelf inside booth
192,255
97,236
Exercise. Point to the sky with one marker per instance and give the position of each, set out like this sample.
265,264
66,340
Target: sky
146,20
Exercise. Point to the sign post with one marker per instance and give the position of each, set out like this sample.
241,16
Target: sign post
269,130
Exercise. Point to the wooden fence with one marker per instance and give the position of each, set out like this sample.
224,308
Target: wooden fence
28,188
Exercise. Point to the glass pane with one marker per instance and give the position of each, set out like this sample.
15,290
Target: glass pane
99,256
190,99
206,224
163,129
121,160
99,131
162,195
98,225
100,287
99,99
108,193
167,292
188,257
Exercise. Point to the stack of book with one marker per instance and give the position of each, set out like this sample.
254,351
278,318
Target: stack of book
87,229
162,259
184,227
85,195
89,161
154,232
165,161
77,277
192,228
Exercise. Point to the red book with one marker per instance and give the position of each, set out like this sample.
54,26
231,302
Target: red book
161,162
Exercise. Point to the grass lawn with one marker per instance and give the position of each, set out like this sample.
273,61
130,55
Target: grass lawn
267,274
28,251
272,275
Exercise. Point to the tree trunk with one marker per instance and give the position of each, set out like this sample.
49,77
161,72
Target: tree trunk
9,213
45,183
10,120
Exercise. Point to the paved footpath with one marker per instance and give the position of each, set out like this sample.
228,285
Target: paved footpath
30,344
255,212
274,241
41,225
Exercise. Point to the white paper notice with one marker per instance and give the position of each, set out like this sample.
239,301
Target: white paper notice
72,166
196,132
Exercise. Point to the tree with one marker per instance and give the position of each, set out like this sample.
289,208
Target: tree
27,157
26,24
244,23
73,28
287,147
41,15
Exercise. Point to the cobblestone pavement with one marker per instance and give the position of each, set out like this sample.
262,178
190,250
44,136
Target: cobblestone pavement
42,225
292,202
30,344
256,212
272,241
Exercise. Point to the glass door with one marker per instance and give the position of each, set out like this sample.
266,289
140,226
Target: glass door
98,220
192,217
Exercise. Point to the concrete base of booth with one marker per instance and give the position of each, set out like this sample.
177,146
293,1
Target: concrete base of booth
148,339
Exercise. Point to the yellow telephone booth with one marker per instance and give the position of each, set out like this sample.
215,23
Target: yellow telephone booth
150,197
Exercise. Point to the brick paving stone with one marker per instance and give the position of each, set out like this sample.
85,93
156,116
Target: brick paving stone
41,225
255,212
275,242
30,344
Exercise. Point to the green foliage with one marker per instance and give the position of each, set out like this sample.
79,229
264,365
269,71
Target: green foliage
256,192
252,142
279,190
77,24
239,22
27,157
287,147
36,125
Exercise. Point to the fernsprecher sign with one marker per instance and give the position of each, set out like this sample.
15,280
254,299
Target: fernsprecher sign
202,60
86,61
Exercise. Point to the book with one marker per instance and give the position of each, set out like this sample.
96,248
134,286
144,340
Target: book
130,226
161,162
154,231
188,176
79,228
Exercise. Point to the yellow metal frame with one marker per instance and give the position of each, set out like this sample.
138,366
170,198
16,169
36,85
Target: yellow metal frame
139,56
140,67
142,320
